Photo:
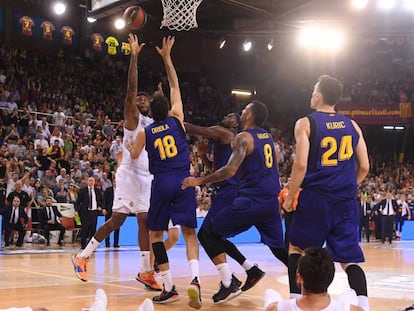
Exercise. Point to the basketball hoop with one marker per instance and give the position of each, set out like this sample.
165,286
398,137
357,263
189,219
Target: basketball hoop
180,14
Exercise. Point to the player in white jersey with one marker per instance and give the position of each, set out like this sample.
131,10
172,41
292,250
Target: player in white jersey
315,273
133,179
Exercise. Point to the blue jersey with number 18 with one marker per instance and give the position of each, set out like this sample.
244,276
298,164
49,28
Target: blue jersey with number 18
166,146
331,164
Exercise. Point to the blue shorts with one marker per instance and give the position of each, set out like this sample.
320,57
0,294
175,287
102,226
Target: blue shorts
169,201
224,198
245,213
318,220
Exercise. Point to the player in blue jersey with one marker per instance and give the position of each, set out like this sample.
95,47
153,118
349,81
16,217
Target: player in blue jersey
169,162
226,190
253,157
331,160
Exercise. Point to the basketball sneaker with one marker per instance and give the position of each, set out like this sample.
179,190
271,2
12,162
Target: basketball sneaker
408,308
166,297
254,275
146,306
226,293
194,294
236,280
80,266
147,278
100,302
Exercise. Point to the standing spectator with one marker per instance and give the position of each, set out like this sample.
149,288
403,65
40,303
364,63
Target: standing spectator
59,117
365,214
331,160
388,209
88,206
108,202
403,214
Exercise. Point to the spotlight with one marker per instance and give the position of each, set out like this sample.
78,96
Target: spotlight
386,4
91,19
270,45
359,4
119,23
222,43
59,8
247,45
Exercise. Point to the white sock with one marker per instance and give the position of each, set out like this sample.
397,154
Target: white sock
195,269
145,261
147,305
363,302
247,265
349,296
225,274
166,278
271,296
89,249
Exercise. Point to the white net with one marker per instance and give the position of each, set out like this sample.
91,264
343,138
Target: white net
180,14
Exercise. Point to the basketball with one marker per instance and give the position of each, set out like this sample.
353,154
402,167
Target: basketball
135,17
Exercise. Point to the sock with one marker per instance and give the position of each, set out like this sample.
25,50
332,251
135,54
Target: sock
271,296
292,267
145,261
166,278
349,296
147,305
363,302
225,274
89,249
195,269
247,265
357,280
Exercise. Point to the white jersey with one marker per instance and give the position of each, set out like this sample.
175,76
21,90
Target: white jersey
335,305
133,190
129,137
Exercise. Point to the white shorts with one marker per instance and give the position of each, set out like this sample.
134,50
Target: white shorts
132,192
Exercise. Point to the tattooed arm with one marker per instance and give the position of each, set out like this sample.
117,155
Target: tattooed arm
241,149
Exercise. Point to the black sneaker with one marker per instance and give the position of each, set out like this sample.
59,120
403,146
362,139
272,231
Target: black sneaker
409,308
194,294
226,293
254,275
236,280
166,297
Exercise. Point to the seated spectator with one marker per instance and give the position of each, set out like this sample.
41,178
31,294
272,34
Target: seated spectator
50,220
60,192
15,219
49,180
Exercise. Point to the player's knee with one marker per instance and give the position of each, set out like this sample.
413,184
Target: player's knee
160,253
173,235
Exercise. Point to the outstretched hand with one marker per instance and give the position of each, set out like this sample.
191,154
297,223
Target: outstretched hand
136,48
190,182
167,44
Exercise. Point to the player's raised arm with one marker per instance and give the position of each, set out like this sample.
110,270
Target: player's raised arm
131,112
175,95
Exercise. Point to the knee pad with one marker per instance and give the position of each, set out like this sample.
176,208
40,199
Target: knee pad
160,253
212,243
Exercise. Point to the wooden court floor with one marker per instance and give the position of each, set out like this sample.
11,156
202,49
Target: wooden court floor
39,277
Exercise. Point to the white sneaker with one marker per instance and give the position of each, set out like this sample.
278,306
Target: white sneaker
147,305
100,301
